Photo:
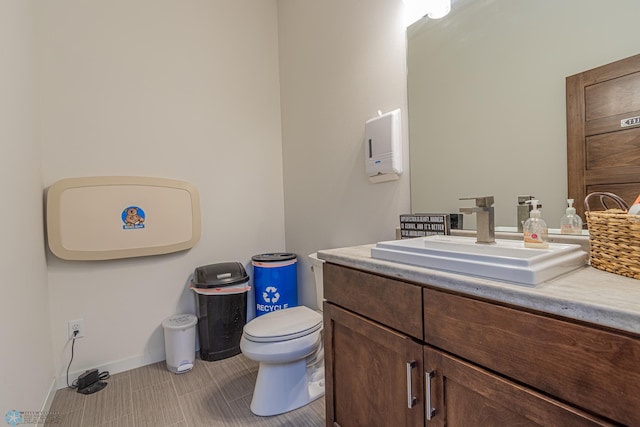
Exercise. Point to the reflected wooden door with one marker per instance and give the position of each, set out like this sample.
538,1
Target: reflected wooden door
603,131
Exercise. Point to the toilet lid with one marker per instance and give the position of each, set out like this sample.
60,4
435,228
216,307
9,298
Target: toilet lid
282,325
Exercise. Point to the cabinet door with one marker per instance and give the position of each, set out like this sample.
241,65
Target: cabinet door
461,394
373,373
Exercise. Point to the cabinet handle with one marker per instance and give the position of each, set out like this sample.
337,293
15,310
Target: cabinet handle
411,400
430,410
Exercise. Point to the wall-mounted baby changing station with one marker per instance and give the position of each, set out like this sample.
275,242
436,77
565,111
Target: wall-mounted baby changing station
109,217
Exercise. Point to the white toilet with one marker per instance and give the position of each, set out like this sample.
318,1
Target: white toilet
288,345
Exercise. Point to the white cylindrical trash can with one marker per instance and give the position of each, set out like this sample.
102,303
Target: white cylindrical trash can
180,342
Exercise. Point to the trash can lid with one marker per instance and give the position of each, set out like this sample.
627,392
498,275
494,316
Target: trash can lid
274,257
224,290
180,321
219,275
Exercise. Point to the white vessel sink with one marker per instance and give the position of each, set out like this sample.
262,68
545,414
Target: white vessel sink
506,260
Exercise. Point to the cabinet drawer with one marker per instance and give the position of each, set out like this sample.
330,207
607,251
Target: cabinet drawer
464,394
395,304
596,370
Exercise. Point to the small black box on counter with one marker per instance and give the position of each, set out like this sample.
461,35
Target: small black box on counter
426,224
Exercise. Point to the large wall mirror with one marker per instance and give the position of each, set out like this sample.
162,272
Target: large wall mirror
487,97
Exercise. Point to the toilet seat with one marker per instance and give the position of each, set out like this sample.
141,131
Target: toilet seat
283,325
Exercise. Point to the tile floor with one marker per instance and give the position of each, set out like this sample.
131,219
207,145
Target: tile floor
213,394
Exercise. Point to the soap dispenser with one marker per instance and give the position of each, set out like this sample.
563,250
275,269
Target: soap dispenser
570,223
535,229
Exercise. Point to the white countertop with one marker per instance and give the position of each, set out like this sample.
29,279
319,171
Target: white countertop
586,294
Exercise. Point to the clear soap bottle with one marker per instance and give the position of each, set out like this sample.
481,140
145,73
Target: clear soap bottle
570,223
536,234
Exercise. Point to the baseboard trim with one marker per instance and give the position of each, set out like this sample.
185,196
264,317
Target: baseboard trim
115,367
46,405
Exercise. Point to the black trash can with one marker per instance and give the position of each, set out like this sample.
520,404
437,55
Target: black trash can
221,306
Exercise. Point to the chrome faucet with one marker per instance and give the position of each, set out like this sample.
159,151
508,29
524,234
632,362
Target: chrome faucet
524,208
485,224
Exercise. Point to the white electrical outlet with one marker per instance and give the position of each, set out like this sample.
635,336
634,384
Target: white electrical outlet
76,325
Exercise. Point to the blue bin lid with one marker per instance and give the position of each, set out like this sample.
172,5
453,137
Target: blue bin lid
274,257
219,275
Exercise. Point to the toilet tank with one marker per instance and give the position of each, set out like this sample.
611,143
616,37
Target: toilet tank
316,266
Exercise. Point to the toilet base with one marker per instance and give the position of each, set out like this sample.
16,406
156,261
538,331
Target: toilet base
284,387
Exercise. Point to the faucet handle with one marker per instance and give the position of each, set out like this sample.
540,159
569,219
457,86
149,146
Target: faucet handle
481,202
523,199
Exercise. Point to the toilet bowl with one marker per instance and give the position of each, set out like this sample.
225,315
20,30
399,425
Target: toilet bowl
288,346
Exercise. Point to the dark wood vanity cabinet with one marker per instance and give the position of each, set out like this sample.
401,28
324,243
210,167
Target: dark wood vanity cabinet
373,361
369,371
404,354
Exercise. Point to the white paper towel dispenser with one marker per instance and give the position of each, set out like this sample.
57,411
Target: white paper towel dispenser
109,217
383,147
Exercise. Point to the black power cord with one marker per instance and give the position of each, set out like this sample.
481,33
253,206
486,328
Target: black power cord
74,385
73,343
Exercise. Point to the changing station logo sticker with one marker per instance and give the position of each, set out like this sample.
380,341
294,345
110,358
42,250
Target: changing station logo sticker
133,217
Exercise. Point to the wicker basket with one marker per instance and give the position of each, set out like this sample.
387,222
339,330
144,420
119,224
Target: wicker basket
614,237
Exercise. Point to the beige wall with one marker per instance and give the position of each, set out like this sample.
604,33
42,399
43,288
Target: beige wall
186,90
26,367
340,62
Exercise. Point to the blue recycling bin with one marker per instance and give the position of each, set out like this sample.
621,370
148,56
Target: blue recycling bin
275,279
